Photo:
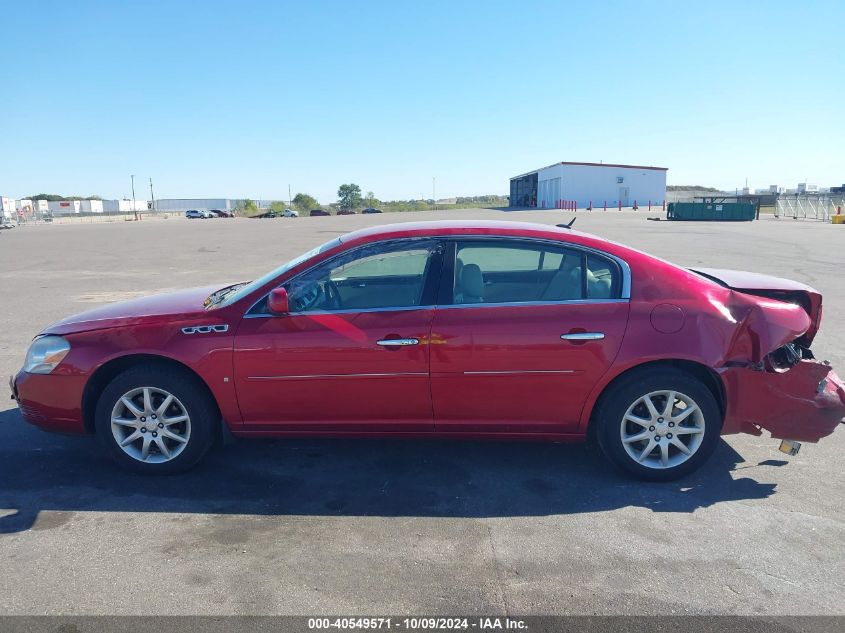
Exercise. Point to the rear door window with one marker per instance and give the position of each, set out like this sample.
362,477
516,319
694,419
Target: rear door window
516,272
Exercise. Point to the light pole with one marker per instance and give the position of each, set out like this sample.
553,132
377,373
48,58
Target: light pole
433,193
134,209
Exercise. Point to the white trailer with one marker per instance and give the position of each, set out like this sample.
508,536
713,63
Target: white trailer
91,206
64,207
123,206
7,210
180,205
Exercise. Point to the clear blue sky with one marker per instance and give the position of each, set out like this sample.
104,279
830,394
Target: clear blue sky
243,98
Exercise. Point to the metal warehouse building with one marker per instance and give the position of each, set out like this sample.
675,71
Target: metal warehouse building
201,204
563,185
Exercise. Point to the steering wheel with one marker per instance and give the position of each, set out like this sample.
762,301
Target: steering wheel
333,300
304,297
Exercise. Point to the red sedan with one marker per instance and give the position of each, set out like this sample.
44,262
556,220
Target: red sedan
481,330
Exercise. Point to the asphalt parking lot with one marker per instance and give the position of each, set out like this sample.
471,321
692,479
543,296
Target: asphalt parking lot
391,527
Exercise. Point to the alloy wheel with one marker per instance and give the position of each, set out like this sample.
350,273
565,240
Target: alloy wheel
662,429
150,425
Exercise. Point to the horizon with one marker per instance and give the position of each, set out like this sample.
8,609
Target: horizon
241,102
141,198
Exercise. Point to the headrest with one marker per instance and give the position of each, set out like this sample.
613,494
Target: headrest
472,280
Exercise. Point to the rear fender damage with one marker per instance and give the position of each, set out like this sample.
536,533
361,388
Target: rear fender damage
770,376
762,326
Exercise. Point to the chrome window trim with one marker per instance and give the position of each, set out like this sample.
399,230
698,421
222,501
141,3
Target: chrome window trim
348,311
452,306
532,303
625,294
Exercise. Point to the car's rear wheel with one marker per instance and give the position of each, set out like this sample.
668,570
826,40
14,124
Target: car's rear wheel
156,419
658,424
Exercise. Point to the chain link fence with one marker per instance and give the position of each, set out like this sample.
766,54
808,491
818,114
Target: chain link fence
46,217
809,207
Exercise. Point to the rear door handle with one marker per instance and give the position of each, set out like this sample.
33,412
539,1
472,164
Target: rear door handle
583,336
398,342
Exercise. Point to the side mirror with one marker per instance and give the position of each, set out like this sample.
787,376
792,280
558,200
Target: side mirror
277,302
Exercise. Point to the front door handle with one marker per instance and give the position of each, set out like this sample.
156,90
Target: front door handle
583,336
398,342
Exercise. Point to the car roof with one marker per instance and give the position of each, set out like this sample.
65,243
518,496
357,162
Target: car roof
504,228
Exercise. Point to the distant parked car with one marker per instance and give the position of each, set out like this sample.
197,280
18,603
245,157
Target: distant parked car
371,210
269,214
192,214
290,213
345,212
315,212
221,213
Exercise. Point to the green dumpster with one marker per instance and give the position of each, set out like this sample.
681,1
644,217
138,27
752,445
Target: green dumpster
712,210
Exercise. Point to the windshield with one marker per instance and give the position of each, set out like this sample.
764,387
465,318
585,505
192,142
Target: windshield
230,294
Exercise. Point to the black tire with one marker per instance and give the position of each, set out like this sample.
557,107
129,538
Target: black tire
621,395
190,392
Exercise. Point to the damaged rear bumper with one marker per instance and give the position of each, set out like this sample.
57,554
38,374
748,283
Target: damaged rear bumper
805,402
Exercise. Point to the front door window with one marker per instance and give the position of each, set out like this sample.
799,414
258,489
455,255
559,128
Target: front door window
374,277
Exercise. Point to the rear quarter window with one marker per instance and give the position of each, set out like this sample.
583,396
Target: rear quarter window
604,278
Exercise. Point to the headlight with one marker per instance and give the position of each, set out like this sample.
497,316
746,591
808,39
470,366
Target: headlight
45,353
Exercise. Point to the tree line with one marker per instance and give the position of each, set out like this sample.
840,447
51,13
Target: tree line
350,197
52,197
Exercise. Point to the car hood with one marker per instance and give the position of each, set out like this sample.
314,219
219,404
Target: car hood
172,305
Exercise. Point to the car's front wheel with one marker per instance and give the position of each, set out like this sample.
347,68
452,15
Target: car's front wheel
156,419
658,424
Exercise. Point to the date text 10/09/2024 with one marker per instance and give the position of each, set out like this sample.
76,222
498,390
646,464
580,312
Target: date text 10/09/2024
419,623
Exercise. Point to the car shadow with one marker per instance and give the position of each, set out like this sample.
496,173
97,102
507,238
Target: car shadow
335,477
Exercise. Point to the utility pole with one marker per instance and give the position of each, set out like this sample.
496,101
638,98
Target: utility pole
290,202
152,196
134,209
433,193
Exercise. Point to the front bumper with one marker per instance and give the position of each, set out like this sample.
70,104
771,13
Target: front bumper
50,401
805,402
